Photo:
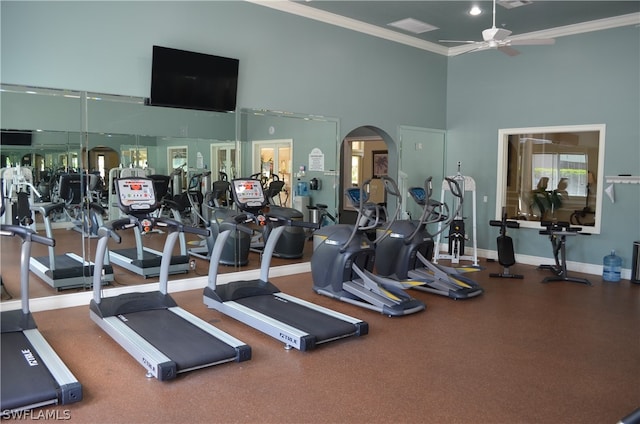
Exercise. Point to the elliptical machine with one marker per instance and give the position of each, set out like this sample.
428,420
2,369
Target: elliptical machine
342,264
291,243
403,255
506,254
236,248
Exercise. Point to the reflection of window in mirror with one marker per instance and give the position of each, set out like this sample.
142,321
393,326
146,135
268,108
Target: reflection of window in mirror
177,156
551,173
357,155
224,159
139,157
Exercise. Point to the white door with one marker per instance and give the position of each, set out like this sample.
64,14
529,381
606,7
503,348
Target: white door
224,158
274,157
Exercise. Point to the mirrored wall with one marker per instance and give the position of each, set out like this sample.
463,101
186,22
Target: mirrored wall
47,132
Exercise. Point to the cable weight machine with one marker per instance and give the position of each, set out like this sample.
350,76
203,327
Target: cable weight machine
457,234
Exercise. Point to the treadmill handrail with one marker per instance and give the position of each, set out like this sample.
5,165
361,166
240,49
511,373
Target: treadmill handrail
278,220
26,233
28,236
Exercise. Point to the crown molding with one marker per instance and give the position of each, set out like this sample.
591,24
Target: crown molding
348,23
299,9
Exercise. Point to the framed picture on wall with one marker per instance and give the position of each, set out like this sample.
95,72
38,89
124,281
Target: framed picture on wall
380,165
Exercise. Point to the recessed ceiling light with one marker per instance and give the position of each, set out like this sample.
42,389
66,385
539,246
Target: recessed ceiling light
475,11
413,25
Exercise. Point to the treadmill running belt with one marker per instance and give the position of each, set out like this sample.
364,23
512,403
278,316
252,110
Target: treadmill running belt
323,326
26,380
66,267
187,345
149,259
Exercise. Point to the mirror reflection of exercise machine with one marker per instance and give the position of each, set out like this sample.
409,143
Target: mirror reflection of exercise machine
68,270
33,375
146,261
260,304
164,338
20,194
75,191
292,241
558,233
217,205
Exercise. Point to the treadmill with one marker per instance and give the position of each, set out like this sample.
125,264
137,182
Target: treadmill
68,270
164,338
33,375
259,303
143,260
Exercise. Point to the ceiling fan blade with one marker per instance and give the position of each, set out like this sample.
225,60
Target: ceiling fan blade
479,46
508,50
457,41
532,42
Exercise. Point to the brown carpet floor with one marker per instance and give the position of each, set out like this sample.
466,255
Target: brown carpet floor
524,352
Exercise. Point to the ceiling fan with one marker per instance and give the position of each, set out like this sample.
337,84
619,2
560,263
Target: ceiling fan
498,38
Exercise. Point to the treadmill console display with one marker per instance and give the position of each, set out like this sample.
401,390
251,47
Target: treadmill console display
248,193
136,194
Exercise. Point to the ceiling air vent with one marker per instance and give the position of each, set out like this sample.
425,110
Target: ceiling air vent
512,4
413,25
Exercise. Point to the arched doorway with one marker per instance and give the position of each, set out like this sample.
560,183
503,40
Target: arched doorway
366,153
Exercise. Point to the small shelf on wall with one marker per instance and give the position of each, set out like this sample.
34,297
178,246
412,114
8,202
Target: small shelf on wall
623,179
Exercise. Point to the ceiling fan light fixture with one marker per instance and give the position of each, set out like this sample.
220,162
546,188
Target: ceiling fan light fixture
495,34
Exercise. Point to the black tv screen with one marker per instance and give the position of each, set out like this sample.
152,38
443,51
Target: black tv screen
191,80
15,138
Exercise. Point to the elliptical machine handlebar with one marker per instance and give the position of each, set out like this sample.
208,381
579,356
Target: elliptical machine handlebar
454,187
430,205
359,203
391,188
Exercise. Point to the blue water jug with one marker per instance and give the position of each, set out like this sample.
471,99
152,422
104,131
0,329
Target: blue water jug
302,188
612,265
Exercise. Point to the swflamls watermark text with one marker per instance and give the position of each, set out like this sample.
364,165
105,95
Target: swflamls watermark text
36,414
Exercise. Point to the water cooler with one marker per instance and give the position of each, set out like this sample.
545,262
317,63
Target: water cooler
301,199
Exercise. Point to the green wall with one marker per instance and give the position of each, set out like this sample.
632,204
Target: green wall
591,78
294,64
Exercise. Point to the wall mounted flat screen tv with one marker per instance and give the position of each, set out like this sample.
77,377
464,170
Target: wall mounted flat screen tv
191,80
15,138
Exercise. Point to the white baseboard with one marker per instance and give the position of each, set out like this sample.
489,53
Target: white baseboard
83,298
538,260
70,300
